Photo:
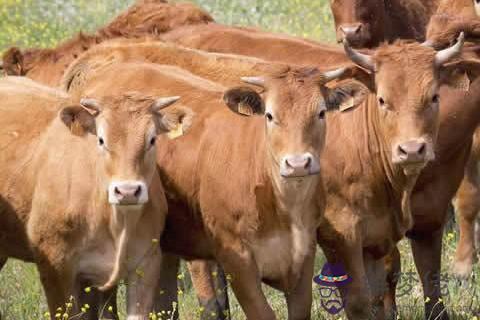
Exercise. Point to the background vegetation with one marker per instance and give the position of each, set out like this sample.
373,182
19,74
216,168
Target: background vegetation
43,23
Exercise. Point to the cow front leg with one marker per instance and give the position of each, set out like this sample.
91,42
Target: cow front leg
393,269
377,280
246,282
427,249
141,284
167,289
209,285
58,286
467,206
299,300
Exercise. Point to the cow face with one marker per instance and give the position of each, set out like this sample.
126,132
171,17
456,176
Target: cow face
294,104
123,131
405,78
360,22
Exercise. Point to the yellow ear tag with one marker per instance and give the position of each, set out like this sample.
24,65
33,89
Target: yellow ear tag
348,104
245,109
175,133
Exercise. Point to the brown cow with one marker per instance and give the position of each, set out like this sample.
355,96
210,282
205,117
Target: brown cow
245,196
441,29
151,17
269,46
76,189
389,178
367,23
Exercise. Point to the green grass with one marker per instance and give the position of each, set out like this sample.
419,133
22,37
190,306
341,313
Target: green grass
43,23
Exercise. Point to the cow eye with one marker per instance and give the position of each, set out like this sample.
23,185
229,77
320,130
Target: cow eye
101,142
436,98
269,116
381,101
153,140
321,115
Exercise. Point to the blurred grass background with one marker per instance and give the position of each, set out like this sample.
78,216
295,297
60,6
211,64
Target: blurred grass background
43,23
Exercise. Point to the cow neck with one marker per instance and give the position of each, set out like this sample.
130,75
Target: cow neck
400,185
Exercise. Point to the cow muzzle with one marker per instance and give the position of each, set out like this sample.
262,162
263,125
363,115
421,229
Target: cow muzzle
300,165
412,154
127,193
353,33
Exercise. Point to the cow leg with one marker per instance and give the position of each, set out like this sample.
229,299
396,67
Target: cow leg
468,206
299,300
142,279
246,282
377,280
57,285
427,249
204,279
221,287
167,290
393,269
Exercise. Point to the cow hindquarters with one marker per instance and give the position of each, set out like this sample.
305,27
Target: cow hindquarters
467,207
427,250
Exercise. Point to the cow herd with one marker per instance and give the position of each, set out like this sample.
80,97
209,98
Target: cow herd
166,135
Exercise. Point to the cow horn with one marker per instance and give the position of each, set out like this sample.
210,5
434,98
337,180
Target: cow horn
363,60
445,55
256,81
161,103
92,105
333,74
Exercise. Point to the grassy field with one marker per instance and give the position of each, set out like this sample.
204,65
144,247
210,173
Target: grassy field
43,23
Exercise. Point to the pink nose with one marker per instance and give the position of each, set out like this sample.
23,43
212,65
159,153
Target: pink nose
414,151
299,165
128,192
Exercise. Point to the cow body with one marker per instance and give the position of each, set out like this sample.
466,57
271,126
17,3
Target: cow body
258,225
144,18
59,208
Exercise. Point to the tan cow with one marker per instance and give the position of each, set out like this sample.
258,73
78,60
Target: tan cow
151,17
245,193
76,189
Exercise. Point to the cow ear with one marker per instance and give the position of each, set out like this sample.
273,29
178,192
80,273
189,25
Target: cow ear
12,63
460,74
244,101
78,120
345,96
175,121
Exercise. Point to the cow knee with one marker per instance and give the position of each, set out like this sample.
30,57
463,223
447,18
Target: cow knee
358,307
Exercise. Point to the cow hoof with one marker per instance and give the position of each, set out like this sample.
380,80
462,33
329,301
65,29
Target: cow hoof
462,269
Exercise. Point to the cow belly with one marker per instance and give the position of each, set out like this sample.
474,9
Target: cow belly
96,263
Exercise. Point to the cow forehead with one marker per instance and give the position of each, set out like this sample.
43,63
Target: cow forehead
294,93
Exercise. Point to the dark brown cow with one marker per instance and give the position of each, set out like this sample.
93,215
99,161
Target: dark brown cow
367,23
151,17
245,196
441,30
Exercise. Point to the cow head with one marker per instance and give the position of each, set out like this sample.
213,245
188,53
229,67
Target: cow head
360,22
294,105
405,79
123,130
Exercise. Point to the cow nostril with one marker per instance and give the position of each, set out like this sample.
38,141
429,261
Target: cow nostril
357,29
117,192
422,149
308,162
402,151
138,191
